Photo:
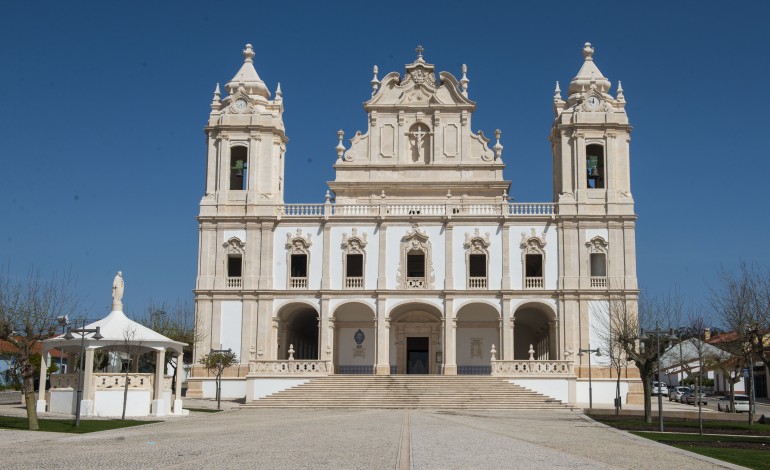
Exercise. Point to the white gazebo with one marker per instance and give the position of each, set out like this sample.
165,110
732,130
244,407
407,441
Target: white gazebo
149,394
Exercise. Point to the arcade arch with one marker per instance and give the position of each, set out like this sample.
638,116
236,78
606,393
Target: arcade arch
297,326
535,324
355,338
415,339
478,328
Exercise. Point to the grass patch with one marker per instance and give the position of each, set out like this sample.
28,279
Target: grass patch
204,410
686,425
751,452
60,425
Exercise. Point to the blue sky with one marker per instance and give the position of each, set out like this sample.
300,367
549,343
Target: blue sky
103,106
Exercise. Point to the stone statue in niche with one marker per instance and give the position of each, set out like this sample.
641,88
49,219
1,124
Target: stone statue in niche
419,142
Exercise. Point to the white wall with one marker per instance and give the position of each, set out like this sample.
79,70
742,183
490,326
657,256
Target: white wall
110,402
488,337
554,388
603,391
231,388
347,350
598,317
239,234
231,326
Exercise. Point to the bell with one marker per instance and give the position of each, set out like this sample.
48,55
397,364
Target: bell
238,167
594,171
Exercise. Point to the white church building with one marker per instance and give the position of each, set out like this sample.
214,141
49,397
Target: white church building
417,262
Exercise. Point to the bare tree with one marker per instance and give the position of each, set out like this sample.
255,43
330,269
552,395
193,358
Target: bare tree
649,313
607,329
178,322
131,347
28,311
743,302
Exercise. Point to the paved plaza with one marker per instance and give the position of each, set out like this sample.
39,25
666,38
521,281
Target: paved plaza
354,439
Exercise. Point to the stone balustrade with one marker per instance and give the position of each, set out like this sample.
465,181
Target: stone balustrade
64,380
290,367
533,368
533,283
477,283
105,381
354,282
503,209
298,283
233,283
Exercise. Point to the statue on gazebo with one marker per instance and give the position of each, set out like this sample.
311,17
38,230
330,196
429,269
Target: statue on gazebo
117,292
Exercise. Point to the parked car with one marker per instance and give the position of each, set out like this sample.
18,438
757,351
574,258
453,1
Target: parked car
741,403
659,388
693,398
675,393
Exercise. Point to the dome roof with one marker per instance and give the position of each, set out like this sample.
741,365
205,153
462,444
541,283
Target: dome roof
589,73
247,77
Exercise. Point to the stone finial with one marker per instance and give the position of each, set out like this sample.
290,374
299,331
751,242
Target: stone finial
248,54
588,52
328,196
449,194
278,91
621,98
493,352
217,93
557,92
375,81
505,195
291,352
531,353
382,195
498,148
464,81
340,147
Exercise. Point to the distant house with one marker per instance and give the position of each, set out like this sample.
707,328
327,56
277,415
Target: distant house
682,360
727,341
8,360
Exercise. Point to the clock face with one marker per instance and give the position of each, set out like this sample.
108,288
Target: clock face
240,104
593,102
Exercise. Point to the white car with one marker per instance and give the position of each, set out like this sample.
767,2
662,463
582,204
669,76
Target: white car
659,388
741,403
675,393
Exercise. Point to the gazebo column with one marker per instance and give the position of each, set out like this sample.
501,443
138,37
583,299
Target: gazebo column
158,403
178,387
87,403
40,405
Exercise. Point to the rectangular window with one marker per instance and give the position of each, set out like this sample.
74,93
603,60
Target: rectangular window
238,176
298,265
598,265
477,265
234,265
415,264
354,265
534,265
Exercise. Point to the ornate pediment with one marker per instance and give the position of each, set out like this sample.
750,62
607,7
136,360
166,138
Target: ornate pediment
415,234
532,243
298,243
355,242
476,243
597,245
239,103
234,246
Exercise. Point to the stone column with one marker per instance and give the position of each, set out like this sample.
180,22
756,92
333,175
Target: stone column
450,335
158,403
382,280
266,255
211,163
87,403
224,167
513,338
507,331
40,405
553,346
382,367
178,387
449,282
329,352
252,184
323,330
326,243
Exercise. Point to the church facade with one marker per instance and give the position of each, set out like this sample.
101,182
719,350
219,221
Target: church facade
417,262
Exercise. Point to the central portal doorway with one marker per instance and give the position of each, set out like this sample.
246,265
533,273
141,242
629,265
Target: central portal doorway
417,357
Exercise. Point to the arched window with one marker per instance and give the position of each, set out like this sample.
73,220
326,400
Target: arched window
415,270
298,259
533,254
419,143
477,259
353,259
238,168
597,259
595,166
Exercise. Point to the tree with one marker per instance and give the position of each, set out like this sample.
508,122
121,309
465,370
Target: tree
743,302
130,347
28,311
629,318
607,328
217,362
177,322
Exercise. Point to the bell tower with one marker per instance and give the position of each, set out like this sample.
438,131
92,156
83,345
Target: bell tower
246,143
590,144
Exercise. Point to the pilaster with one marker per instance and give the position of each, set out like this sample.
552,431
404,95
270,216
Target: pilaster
448,257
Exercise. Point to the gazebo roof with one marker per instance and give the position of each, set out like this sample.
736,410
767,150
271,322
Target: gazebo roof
116,328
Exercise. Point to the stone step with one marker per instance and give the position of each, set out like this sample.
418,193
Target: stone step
401,391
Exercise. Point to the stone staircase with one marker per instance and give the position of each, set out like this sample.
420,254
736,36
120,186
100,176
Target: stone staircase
408,391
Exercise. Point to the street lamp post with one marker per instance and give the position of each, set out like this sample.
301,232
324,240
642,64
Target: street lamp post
598,353
63,320
644,336
82,332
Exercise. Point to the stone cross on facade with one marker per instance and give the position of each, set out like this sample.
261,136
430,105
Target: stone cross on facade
419,135
419,51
